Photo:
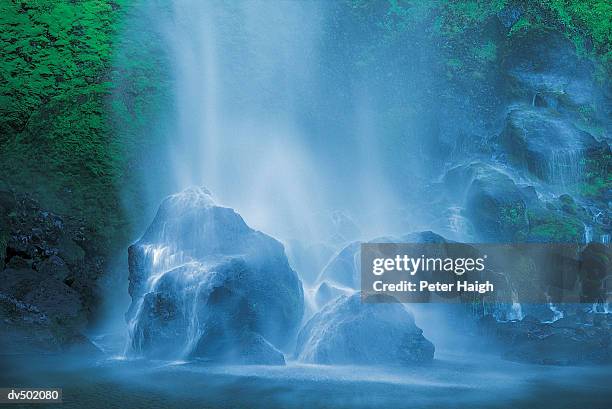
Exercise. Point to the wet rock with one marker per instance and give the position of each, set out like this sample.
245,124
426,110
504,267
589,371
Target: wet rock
25,329
35,275
53,266
327,292
493,202
48,294
567,341
204,284
546,65
548,225
595,272
550,148
349,331
344,269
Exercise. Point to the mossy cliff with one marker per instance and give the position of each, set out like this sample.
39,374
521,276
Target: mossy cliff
67,123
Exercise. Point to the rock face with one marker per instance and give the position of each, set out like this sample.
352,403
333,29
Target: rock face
493,202
550,148
47,280
572,340
349,331
206,285
344,269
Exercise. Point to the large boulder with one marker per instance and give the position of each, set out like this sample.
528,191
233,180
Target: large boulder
344,269
350,331
549,147
204,284
492,201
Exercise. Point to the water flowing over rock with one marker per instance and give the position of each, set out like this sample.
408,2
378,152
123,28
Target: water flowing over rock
352,331
344,268
204,284
549,147
493,202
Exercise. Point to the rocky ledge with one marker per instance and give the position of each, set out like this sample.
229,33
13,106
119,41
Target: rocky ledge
47,278
582,338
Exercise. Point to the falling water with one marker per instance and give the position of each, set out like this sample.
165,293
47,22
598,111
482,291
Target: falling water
588,233
564,167
250,125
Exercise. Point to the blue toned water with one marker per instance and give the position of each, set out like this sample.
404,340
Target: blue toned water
476,381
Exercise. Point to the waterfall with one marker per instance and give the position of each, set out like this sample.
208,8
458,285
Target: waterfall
588,233
565,167
250,124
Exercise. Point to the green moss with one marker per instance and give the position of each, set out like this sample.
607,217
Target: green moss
486,53
55,140
550,227
587,23
71,106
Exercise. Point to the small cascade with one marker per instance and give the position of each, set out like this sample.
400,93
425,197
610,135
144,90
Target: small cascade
516,311
558,314
605,238
601,308
509,312
161,259
458,223
564,167
588,233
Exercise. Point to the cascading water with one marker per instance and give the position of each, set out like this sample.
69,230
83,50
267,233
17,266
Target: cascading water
285,126
204,284
247,86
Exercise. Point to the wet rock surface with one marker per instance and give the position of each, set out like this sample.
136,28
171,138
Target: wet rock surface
548,146
350,331
206,285
578,339
47,279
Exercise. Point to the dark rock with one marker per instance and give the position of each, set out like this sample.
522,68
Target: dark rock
567,341
567,204
549,147
546,64
69,251
493,202
349,331
25,329
595,271
48,294
4,236
509,15
37,277
53,266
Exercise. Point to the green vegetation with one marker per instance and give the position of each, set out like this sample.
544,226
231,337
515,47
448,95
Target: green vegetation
598,177
65,136
470,36
56,77
81,83
547,226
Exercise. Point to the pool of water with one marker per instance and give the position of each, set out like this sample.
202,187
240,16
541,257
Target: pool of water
451,381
